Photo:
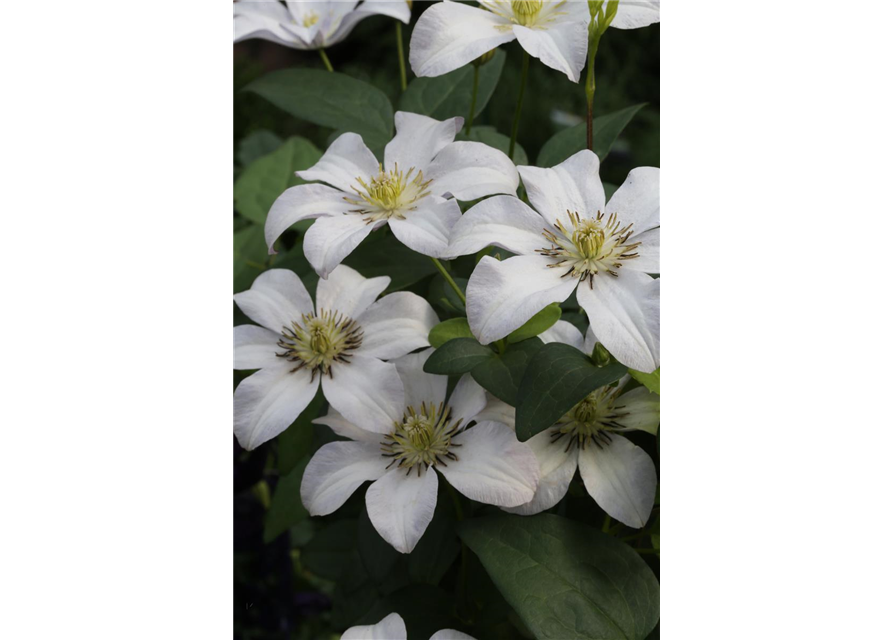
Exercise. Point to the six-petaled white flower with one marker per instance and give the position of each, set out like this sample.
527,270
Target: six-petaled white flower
618,475
449,35
342,344
308,24
392,627
414,191
573,241
423,432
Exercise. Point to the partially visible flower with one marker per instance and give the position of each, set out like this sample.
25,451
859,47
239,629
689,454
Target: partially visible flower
342,344
414,191
393,628
484,462
618,475
632,14
573,238
308,24
449,35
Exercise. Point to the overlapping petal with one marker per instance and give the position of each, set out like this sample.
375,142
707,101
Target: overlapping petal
396,324
401,505
366,391
303,202
565,333
561,45
640,409
275,300
418,140
336,471
419,386
500,221
346,291
572,186
346,159
632,14
427,229
471,170
254,347
329,240
637,201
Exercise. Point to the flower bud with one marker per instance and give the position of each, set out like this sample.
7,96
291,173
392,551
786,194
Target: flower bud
484,59
600,355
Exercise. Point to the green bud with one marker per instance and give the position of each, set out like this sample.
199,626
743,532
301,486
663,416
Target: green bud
484,59
600,355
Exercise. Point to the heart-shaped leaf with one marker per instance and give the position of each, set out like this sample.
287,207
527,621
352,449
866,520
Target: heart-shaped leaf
457,356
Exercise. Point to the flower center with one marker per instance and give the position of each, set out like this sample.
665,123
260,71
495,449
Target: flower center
422,438
390,193
526,11
310,18
590,420
589,246
317,342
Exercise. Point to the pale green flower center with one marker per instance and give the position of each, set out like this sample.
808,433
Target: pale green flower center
590,246
310,18
423,437
526,11
318,342
591,420
389,194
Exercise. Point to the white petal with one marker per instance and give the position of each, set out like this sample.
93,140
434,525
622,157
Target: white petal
637,201
451,634
343,427
649,252
427,229
565,333
390,628
449,35
396,324
303,202
398,9
498,411
366,391
267,402
625,315
467,400
590,342
500,221
401,506
419,386
493,467
336,471
471,170
261,20
418,140
331,239
632,14
254,347
557,468
561,45
573,186
621,478
502,296
348,292
346,159
275,300
641,410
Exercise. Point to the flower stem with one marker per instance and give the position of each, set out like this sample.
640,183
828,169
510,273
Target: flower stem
325,60
590,84
607,523
400,55
474,99
525,65
449,279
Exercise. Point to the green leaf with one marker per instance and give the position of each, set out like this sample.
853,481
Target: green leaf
560,377
286,508
448,330
605,130
381,254
330,100
492,138
566,580
257,144
442,294
457,356
650,380
266,178
537,324
249,256
449,95
294,442
378,557
329,553
501,374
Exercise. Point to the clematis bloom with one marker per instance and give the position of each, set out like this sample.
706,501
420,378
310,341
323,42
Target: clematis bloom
308,24
414,191
392,627
425,432
572,241
342,345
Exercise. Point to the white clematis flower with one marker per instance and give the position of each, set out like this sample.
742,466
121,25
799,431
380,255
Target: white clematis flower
485,462
342,344
414,191
618,475
393,628
449,35
308,24
573,238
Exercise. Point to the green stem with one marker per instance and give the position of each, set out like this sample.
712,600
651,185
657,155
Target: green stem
525,65
449,279
590,88
474,99
607,523
400,55
325,60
